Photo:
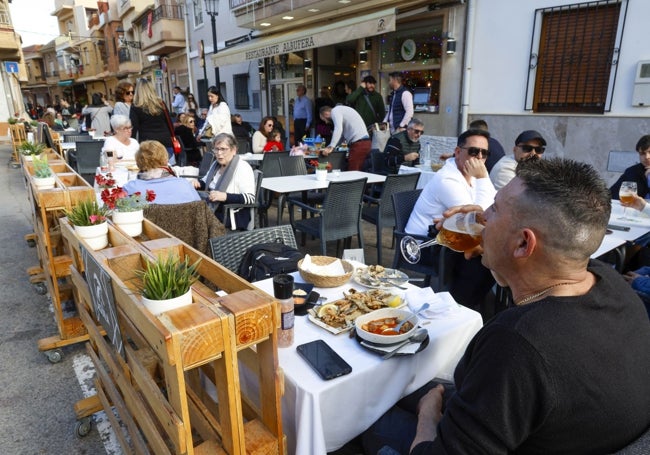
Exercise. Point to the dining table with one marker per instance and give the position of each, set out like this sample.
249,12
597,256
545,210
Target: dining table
320,416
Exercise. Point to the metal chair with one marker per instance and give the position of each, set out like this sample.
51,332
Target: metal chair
229,249
340,215
87,156
270,167
259,216
432,263
380,211
378,162
337,160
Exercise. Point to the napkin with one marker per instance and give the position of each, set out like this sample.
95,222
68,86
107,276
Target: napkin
333,269
438,307
410,348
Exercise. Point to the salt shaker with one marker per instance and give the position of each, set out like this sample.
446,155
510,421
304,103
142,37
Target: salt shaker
283,292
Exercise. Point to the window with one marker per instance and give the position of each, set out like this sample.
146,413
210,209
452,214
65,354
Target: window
198,12
574,68
241,91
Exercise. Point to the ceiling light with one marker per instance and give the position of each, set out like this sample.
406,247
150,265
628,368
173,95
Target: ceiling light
265,24
345,1
287,18
313,10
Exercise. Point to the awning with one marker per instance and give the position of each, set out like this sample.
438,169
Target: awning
65,83
308,38
95,77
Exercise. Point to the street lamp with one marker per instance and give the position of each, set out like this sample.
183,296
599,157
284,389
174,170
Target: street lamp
212,8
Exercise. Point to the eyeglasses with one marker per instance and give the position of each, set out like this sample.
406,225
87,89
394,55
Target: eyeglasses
474,151
127,127
539,149
417,131
220,149
130,92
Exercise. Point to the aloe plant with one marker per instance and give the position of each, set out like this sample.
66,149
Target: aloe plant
31,148
86,213
168,277
41,168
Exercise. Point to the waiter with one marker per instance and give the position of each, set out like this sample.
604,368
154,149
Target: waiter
348,125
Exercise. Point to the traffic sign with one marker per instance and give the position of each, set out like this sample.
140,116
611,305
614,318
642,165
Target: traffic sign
11,67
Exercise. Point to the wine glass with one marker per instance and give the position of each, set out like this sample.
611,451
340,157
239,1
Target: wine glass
626,194
460,232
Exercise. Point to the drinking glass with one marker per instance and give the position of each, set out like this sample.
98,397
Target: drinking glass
626,194
460,232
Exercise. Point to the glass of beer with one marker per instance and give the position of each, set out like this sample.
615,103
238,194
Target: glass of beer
460,232
626,194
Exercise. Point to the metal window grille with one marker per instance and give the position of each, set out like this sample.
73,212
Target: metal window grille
241,91
575,67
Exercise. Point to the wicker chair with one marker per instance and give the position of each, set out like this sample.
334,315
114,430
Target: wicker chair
87,157
640,446
432,263
337,160
340,215
380,211
270,167
260,217
229,250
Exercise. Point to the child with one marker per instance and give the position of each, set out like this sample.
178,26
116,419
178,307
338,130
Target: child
274,144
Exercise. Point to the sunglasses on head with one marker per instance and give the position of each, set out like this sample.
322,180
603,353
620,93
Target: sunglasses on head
474,151
539,149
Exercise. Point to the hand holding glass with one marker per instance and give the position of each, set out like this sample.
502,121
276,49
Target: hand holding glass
626,194
460,232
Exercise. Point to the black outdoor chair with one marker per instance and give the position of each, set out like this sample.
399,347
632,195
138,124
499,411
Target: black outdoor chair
228,250
380,211
87,156
338,218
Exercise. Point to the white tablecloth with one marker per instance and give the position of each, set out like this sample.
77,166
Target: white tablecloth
426,174
320,416
638,223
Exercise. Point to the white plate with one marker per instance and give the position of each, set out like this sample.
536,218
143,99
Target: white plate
388,280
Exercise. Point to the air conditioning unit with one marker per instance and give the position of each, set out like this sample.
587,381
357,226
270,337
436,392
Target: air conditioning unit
641,94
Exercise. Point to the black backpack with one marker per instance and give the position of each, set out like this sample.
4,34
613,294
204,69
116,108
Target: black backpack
266,260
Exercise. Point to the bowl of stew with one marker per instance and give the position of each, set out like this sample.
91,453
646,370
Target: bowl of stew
376,326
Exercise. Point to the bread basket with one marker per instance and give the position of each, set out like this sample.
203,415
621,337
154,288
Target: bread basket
326,281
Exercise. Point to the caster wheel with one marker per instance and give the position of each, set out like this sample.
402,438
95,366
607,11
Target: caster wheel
40,288
31,243
54,356
83,427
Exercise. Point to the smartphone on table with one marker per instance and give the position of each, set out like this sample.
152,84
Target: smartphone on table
323,359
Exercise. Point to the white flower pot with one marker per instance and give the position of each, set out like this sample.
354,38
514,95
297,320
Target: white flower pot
28,157
160,306
96,236
321,174
129,222
44,183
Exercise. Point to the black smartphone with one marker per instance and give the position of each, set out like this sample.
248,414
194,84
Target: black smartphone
322,358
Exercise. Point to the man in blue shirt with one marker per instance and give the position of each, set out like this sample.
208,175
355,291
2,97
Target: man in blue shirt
302,117
178,105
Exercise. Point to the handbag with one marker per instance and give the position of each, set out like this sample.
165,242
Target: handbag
380,135
176,144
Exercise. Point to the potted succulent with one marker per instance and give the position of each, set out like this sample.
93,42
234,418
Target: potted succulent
127,209
167,283
30,149
321,169
43,175
89,221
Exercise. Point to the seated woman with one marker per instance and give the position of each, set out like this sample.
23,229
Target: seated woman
261,136
229,180
156,174
186,133
121,143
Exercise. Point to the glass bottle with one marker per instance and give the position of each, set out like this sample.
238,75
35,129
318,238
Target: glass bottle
283,292
103,161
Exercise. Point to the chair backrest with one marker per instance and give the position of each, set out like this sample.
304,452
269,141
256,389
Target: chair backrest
229,250
78,138
403,204
338,160
271,164
206,162
640,446
342,209
87,156
378,162
18,134
395,184
243,145
292,165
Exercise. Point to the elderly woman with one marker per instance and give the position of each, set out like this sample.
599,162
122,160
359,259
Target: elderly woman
230,180
155,174
261,136
122,144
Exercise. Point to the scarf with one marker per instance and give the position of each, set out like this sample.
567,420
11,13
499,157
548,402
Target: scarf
224,180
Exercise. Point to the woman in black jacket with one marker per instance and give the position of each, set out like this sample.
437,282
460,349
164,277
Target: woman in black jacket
148,117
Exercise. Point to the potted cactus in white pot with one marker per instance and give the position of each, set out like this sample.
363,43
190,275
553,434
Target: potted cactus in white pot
43,176
30,149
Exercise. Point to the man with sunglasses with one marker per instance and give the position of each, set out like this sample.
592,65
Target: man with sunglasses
463,179
530,144
403,148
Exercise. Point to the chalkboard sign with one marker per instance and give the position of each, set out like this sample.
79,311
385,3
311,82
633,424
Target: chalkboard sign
101,293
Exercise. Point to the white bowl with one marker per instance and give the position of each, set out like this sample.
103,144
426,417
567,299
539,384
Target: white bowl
385,313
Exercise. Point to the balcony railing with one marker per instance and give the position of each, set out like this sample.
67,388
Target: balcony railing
163,12
126,55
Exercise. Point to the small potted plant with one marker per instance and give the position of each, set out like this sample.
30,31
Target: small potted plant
30,149
89,221
321,169
43,175
167,283
127,209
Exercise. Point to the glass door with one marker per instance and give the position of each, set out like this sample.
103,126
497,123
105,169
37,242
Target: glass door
283,94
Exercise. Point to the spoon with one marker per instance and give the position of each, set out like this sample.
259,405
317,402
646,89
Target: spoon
419,336
395,330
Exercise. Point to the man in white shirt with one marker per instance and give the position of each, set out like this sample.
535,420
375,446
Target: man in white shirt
348,125
463,179
528,144
178,105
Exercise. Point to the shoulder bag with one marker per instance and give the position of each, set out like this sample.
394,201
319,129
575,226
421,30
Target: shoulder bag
176,144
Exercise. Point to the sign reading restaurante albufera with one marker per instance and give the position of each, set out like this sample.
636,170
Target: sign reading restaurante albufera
281,48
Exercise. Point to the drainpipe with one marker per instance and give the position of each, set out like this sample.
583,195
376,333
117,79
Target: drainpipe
187,49
467,64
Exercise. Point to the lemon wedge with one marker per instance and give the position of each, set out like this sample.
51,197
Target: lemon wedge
328,308
394,301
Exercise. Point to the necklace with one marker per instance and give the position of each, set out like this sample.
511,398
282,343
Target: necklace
532,297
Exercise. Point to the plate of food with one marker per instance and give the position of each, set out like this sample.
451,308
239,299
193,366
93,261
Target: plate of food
339,316
379,277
